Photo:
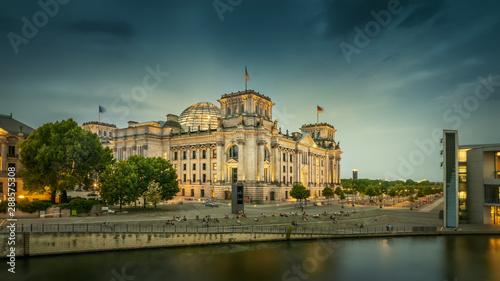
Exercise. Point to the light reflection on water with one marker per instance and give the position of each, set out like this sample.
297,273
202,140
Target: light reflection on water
403,258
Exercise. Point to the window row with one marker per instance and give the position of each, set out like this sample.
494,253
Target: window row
203,167
203,178
193,154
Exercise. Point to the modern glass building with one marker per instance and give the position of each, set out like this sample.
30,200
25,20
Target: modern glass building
477,197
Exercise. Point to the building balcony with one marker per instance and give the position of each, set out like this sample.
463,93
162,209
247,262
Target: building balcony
12,155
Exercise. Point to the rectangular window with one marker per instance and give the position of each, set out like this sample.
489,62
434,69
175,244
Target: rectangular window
184,167
284,156
176,166
204,178
215,178
194,154
184,178
184,155
214,153
192,192
204,167
204,154
291,157
214,166
284,179
291,180
202,193
1,187
284,169
12,165
194,167
12,151
291,169
175,155
194,178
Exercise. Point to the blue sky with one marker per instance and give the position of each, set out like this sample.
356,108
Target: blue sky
421,67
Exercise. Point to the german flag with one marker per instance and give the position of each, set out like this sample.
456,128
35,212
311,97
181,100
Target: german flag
246,75
320,110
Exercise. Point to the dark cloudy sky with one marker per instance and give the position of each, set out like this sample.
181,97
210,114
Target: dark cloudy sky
418,71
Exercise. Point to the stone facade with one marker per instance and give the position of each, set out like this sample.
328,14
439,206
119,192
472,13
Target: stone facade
246,146
11,133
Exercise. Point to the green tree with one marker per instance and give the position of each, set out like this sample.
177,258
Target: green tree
59,156
371,191
393,192
338,191
119,183
300,192
153,193
149,169
327,192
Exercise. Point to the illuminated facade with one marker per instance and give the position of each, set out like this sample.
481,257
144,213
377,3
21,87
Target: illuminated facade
212,147
11,133
478,177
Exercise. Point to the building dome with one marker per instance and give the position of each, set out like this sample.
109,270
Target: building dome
200,114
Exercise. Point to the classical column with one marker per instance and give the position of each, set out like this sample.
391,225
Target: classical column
260,160
209,164
220,155
189,177
5,149
338,170
241,160
198,157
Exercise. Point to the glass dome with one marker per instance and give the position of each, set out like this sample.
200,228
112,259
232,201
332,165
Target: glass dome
200,114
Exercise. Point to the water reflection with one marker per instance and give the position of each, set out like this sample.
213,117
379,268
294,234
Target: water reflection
436,258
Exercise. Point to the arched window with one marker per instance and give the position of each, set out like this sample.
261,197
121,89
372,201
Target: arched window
228,110
319,135
233,152
313,135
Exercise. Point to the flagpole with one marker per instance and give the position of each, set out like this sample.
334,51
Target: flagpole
317,115
99,113
246,79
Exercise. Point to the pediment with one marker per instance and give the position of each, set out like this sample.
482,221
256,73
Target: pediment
231,161
307,140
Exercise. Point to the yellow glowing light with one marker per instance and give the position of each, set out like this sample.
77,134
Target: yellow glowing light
21,196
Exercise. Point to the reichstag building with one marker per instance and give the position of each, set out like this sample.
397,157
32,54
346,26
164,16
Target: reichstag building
212,147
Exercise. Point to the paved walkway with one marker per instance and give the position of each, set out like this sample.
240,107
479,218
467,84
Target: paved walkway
432,205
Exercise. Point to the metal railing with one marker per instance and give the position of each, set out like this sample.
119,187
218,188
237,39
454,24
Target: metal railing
135,228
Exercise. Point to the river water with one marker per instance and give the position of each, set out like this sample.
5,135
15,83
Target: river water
465,257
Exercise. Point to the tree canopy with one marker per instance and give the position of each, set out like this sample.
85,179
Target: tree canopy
300,192
119,184
130,179
59,156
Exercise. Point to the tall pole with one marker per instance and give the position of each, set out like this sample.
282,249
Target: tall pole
246,78
317,115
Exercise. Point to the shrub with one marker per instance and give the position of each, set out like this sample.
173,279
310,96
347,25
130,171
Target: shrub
80,205
31,207
3,206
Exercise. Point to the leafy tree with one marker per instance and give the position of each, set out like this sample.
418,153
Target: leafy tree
327,192
371,191
59,156
338,191
300,192
153,193
119,184
342,196
155,169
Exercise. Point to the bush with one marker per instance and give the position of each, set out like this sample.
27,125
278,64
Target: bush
80,205
3,206
31,207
